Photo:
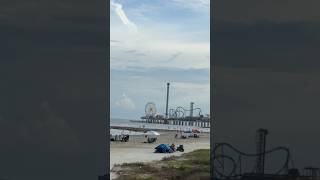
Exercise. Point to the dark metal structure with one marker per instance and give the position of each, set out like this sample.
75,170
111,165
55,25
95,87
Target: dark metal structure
167,102
235,171
231,166
312,172
191,109
260,149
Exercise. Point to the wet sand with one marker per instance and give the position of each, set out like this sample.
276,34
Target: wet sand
137,151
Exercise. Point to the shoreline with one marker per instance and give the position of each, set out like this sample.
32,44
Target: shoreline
156,127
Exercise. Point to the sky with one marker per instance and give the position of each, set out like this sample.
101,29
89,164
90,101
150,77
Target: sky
155,42
266,75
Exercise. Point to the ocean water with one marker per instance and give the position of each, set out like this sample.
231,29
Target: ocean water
117,120
128,123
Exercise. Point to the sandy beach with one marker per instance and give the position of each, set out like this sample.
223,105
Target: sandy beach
137,151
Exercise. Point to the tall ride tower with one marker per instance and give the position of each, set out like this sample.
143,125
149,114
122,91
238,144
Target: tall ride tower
168,84
261,149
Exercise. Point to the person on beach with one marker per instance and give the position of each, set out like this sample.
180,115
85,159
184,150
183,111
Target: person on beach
173,147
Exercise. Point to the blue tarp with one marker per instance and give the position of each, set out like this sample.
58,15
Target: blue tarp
163,148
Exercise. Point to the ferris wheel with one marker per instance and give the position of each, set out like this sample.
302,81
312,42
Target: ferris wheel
150,109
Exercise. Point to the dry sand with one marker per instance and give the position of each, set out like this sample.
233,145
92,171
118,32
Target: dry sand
137,151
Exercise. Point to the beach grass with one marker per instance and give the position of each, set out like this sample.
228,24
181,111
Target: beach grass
193,165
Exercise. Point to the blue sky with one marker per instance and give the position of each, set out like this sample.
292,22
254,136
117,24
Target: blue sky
154,42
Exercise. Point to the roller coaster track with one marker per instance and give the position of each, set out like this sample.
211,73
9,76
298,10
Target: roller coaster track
237,163
181,112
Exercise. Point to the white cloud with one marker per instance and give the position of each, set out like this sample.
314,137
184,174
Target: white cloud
122,15
157,47
194,4
186,92
158,40
125,103
142,11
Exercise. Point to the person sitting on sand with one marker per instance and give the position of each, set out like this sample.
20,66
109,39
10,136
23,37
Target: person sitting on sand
173,147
